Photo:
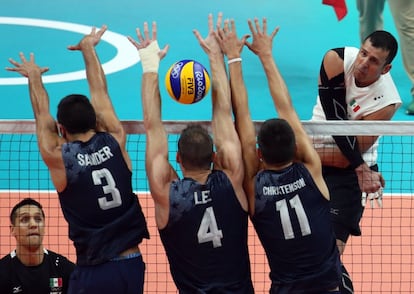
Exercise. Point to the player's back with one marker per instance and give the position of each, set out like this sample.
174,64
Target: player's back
206,237
104,215
292,219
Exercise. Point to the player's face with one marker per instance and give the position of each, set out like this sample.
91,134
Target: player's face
29,227
370,64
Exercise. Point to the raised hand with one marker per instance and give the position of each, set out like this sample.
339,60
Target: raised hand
210,44
144,39
262,42
26,67
92,39
230,44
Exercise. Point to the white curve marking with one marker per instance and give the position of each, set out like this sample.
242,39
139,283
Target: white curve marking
126,55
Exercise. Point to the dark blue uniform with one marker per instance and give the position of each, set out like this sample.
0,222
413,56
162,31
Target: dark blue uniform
104,215
292,220
206,237
51,276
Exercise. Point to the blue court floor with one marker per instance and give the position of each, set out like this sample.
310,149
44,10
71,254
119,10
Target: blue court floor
47,27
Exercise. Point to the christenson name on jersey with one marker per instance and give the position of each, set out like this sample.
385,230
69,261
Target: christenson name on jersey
284,189
95,158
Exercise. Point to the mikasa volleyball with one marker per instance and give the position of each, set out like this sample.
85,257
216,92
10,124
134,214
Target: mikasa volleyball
187,81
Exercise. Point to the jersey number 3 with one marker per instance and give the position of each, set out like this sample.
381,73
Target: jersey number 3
112,196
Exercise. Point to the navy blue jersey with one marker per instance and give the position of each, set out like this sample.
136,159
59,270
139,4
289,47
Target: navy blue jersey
104,215
206,237
292,220
51,276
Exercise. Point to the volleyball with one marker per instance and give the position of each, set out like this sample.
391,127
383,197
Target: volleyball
187,81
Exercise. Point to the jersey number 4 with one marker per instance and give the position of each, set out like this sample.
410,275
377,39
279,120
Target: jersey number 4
208,230
296,204
112,196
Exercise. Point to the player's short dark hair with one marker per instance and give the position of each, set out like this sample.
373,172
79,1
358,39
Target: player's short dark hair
386,41
24,202
276,141
76,113
195,147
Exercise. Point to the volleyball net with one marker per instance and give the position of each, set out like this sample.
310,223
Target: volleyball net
380,261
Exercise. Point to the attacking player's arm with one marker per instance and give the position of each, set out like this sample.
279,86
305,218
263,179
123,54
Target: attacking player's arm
232,47
334,157
159,171
46,129
105,114
332,94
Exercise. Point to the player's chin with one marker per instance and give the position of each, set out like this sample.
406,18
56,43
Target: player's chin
362,80
359,76
34,239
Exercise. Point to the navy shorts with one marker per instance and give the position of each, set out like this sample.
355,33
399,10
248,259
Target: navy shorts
124,275
346,207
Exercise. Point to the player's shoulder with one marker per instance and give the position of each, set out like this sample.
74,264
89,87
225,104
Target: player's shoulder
335,55
333,62
6,259
56,258
5,268
220,176
106,138
53,255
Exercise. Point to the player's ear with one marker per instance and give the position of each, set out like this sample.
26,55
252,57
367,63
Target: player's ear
386,68
215,162
259,154
12,232
178,157
61,130
213,156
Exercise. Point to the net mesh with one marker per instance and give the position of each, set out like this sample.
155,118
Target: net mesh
380,261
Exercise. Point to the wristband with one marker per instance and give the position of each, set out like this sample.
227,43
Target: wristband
230,61
150,60
356,161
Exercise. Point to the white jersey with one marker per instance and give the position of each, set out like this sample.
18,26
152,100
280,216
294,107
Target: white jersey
360,101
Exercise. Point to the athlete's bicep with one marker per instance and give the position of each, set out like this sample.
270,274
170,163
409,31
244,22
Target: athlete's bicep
331,88
332,67
332,95
160,174
49,140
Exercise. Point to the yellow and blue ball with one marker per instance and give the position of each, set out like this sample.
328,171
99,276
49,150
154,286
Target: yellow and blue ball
187,81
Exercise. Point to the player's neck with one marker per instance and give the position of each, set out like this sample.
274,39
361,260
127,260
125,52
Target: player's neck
277,167
199,175
30,256
83,137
